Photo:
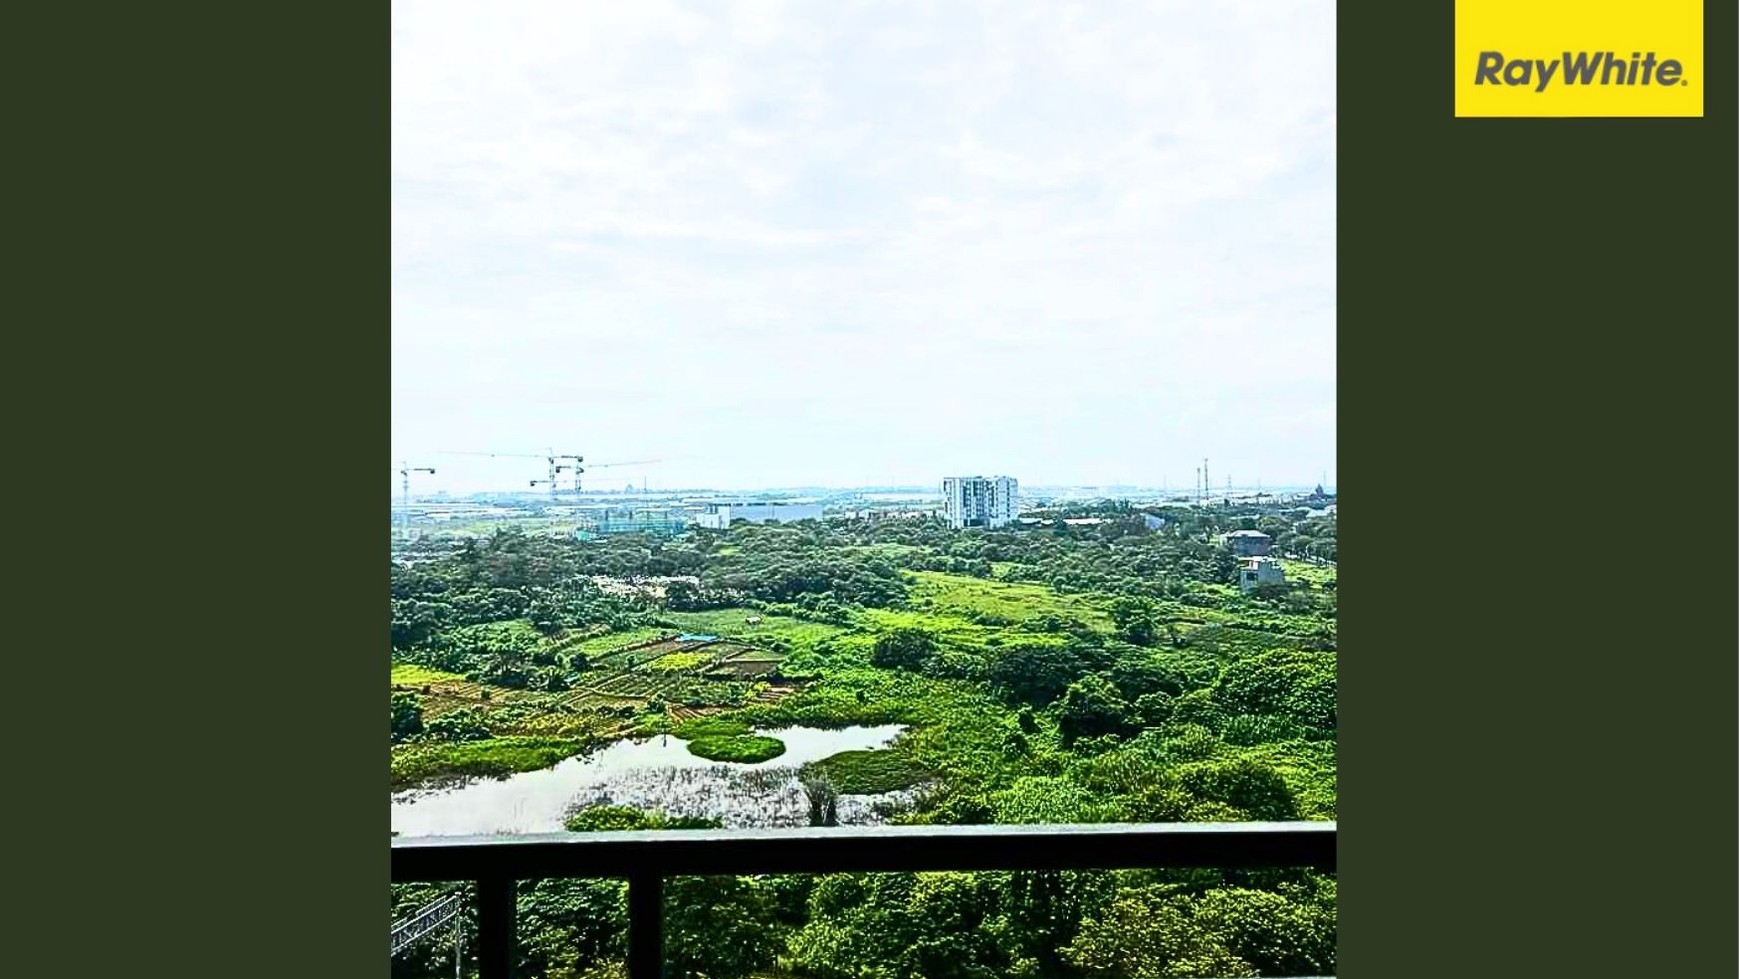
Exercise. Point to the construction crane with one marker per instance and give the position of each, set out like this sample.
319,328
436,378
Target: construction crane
557,463
405,471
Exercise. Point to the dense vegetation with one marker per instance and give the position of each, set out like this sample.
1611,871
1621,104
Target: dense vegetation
1055,672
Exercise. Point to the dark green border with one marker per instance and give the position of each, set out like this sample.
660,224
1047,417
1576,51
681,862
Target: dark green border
1537,399
200,367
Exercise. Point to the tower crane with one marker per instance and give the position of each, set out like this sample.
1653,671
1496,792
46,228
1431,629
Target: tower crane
405,471
557,463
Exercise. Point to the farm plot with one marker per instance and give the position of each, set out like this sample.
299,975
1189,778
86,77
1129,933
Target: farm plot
748,625
692,675
643,653
746,664
443,693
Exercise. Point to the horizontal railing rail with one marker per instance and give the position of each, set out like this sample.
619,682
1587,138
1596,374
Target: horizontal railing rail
646,858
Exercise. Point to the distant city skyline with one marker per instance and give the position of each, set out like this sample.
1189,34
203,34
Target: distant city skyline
800,245
424,489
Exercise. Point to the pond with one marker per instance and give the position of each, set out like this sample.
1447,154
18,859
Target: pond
652,773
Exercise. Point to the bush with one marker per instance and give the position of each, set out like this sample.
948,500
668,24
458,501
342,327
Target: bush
607,818
746,749
407,715
903,649
1253,729
464,724
870,772
604,819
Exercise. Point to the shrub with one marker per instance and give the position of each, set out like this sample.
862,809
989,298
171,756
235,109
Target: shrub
746,749
607,818
869,772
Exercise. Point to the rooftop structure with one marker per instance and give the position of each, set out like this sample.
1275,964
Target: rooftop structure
1248,543
719,516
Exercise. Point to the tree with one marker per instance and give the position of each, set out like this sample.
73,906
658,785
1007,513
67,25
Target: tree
902,926
464,724
718,928
1146,935
1287,683
1247,785
1134,619
1196,707
1277,935
1154,709
682,596
903,649
565,923
407,715
1044,911
1039,674
1092,708
1138,672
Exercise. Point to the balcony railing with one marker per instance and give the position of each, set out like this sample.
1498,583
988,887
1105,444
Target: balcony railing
497,863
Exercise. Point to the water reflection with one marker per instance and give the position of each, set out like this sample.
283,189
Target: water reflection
655,773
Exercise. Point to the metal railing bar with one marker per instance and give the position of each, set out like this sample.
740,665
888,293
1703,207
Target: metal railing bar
495,926
674,853
646,926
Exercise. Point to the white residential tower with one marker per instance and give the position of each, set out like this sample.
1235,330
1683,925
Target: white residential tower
978,501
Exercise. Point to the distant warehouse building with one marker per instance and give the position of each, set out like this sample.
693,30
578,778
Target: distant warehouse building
720,515
1248,543
978,501
636,522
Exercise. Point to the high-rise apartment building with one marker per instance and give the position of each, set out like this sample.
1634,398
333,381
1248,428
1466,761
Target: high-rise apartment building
979,501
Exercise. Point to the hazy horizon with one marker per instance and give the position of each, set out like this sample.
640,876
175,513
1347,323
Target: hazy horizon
778,246
601,489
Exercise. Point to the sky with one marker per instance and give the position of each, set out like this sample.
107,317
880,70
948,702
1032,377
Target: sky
837,244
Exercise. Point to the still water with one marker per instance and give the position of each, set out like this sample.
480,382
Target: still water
654,773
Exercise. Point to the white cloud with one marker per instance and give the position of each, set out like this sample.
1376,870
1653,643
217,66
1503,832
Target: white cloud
782,243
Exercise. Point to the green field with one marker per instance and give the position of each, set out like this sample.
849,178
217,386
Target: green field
733,623
1315,575
606,642
1001,601
411,675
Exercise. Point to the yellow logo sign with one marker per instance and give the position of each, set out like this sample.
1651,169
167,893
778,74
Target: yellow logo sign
1611,58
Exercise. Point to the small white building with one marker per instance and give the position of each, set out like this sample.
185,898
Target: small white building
978,501
1255,572
719,516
